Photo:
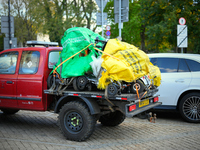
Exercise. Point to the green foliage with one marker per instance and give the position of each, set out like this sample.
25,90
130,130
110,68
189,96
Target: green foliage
131,29
152,24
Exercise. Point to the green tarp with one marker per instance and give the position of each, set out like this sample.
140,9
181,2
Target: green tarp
74,40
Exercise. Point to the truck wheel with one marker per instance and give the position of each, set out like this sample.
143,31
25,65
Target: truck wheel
140,87
76,122
189,107
112,119
9,111
112,89
50,81
79,83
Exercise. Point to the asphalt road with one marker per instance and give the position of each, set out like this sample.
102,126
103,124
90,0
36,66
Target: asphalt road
38,130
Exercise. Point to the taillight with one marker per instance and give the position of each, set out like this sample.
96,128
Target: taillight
132,107
155,99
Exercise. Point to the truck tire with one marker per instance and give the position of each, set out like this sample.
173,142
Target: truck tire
112,119
140,86
9,111
50,81
189,107
76,122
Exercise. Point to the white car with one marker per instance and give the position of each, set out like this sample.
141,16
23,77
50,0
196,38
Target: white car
180,83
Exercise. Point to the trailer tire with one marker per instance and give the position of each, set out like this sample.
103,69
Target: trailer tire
112,119
76,122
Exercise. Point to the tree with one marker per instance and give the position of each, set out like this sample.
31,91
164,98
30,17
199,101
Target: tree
25,27
57,16
131,29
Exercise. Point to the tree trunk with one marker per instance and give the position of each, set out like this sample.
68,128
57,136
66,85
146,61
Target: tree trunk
142,36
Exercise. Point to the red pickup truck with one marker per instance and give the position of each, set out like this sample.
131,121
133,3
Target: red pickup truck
23,86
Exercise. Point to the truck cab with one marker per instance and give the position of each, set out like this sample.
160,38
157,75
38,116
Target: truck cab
23,76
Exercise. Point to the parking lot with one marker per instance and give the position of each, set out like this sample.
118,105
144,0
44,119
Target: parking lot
39,130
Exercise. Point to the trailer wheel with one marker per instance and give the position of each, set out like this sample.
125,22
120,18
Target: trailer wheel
79,83
9,111
112,119
140,86
76,122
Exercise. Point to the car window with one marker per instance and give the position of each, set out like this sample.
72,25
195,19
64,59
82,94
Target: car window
183,67
29,62
166,65
8,62
193,65
53,58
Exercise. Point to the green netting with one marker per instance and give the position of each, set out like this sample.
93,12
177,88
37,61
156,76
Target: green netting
74,40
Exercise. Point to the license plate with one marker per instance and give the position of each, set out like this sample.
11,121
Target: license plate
144,103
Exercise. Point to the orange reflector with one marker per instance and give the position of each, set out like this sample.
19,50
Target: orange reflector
156,99
132,107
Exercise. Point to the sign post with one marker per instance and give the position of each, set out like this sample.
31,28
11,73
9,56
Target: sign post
182,34
121,10
101,16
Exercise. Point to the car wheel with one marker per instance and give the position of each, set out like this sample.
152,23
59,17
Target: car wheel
189,107
140,86
76,122
9,111
112,119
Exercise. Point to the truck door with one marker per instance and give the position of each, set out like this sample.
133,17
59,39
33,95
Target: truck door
30,79
8,78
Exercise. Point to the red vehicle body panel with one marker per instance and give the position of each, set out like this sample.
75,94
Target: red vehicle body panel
25,91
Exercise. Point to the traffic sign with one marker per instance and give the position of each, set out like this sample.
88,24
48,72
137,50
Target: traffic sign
182,21
182,36
99,18
7,43
108,33
124,6
108,27
124,17
122,9
5,24
182,41
99,2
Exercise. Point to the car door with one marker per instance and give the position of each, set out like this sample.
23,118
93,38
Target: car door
30,81
8,78
175,78
194,67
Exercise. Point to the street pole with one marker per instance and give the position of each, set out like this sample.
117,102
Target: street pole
120,19
102,16
9,24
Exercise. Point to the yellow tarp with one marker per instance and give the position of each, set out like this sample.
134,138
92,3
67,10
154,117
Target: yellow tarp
127,63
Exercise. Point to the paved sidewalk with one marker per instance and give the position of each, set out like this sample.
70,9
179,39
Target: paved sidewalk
28,130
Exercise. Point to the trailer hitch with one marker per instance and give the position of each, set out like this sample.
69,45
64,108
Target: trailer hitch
151,118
